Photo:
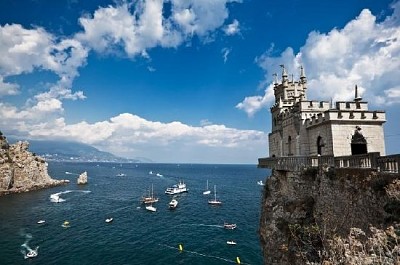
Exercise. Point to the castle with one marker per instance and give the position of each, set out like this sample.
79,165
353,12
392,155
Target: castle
302,127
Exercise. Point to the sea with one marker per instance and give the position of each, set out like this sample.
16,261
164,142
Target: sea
193,233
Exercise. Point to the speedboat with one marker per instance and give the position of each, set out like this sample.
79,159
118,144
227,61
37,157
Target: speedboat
65,224
41,222
176,189
151,208
109,220
31,254
231,242
261,183
173,204
229,226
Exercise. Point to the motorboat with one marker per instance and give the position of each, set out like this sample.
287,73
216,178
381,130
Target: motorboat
231,242
41,222
261,183
215,201
109,220
151,208
229,226
121,175
31,254
173,204
176,189
207,191
65,224
149,199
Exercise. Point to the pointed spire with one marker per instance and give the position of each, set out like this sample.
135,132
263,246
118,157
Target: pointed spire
302,74
356,97
284,73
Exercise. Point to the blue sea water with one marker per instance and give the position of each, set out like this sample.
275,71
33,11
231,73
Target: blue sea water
136,236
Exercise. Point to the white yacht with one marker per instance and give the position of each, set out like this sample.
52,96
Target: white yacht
207,191
151,208
177,188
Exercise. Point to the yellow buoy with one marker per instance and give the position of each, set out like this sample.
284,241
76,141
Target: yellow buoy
180,247
237,260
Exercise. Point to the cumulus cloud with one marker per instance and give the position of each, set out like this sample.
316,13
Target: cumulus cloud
232,29
364,52
129,135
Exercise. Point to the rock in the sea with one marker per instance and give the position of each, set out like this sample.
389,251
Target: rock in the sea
82,179
21,170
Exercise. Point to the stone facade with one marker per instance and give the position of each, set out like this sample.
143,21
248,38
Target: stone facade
302,127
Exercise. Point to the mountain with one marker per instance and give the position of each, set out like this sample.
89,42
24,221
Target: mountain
73,152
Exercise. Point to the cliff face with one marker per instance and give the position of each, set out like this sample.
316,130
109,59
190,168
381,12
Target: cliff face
21,170
329,216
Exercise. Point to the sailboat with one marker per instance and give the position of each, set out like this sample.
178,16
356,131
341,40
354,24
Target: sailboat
207,191
149,199
215,201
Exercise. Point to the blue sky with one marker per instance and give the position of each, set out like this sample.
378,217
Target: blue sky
187,81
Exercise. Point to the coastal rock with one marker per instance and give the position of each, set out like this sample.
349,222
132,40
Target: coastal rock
21,170
82,179
310,216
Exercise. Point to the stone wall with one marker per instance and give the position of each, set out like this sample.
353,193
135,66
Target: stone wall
303,211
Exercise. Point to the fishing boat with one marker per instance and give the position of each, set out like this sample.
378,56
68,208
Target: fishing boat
207,191
109,220
149,199
151,208
229,226
173,204
231,242
176,189
215,201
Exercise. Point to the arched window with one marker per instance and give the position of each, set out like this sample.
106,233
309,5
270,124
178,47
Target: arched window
358,142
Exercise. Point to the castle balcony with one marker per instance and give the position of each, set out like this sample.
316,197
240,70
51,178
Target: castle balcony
388,164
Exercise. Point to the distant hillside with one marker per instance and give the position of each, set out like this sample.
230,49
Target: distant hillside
74,152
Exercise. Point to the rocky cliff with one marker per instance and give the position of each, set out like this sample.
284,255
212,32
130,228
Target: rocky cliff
331,216
21,170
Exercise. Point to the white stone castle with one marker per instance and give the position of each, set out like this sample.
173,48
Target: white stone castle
302,127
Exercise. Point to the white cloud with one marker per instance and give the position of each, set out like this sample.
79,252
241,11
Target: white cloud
225,52
232,29
130,135
364,52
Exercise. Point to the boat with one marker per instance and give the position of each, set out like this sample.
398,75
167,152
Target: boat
109,220
65,224
41,222
121,175
149,199
261,183
159,175
207,191
176,189
31,254
229,226
173,204
151,208
231,242
215,201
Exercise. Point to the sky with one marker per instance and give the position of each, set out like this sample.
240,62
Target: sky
187,81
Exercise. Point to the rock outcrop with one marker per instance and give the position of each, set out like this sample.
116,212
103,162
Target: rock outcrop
82,179
21,170
331,216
